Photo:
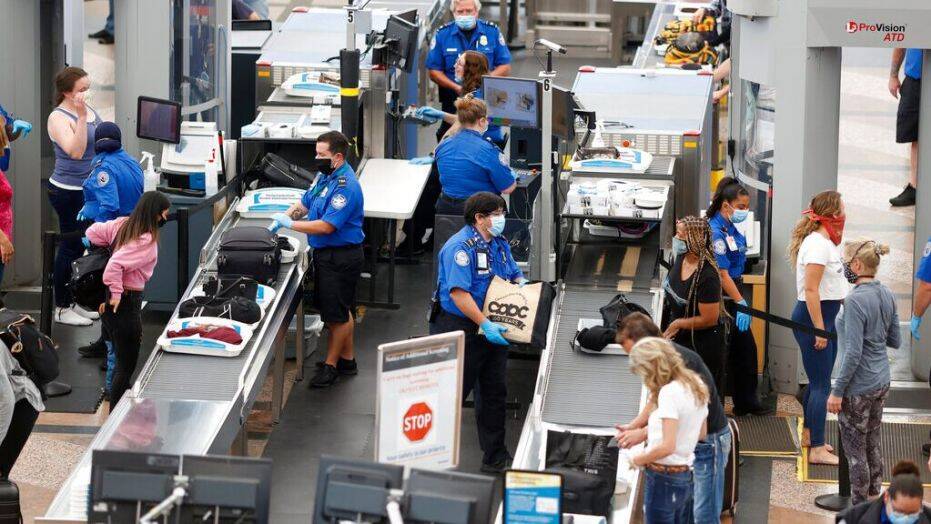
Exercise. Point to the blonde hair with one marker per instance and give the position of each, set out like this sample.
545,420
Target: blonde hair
658,363
866,251
470,110
826,204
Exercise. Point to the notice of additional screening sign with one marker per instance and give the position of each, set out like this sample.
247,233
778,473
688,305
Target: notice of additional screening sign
532,497
418,405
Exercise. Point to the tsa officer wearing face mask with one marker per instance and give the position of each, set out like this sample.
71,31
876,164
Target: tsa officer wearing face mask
468,262
730,206
334,211
465,33
469,163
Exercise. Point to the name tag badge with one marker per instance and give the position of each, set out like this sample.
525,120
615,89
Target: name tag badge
452,49
482,261
731,243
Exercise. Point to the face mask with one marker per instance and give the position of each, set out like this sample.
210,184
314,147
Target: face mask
162,221
901,518
497,225
324,165
88,96
849,274
833,225
679,247
466,22
739,215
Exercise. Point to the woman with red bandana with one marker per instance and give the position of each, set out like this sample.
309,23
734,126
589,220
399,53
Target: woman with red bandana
822,287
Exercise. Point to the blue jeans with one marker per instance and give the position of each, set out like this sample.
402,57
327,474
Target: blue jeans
667,498
818,366
710,467
66,203
111,365
109,25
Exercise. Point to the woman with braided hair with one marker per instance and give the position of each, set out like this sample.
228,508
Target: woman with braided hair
693,308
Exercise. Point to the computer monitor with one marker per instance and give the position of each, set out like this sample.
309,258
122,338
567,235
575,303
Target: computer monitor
158,120
442,497
401,38
410,15
513,102
563,113
233,489
123,481
352,488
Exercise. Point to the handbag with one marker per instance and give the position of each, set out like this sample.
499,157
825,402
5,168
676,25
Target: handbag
235,308
274,171
86,283
525,311
231,286
618,308
589,469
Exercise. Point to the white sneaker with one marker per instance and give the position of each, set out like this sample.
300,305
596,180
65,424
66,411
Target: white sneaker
67,315
90,315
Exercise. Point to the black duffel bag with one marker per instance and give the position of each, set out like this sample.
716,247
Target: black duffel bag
86,282
250,251
274,171
588,466
618,308
236,308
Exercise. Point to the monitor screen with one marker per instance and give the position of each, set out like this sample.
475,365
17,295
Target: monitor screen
236,489
563,113
158,120
445,496
512,102
404,33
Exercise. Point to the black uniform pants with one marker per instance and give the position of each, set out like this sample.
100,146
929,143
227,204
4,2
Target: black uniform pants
710,345
124,330
24,418
485,375
449,206
741,364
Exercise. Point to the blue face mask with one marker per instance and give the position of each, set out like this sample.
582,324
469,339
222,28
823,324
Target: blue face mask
679,247
466,22
497,225
901,518
739,215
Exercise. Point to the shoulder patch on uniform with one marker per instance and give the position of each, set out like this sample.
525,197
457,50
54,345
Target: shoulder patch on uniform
462,258
470,242
927,249
339,201
103,178
720,247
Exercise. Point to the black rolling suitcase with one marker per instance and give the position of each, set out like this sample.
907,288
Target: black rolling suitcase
732,471
250,251
9,503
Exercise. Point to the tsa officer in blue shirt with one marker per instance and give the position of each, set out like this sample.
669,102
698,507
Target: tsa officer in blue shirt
469,163
115,183
465,33
730,206
14,129
922,291
468,262
333,207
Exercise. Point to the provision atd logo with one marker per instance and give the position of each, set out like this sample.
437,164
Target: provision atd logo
891,32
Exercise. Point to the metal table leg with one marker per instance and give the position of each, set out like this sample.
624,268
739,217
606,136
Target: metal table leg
299,341
278,380
392,238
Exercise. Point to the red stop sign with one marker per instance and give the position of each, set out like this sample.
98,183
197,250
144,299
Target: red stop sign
417,421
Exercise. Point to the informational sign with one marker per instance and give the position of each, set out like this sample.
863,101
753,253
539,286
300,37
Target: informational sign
532,497
419,399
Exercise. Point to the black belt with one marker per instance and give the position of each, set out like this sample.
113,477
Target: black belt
451,200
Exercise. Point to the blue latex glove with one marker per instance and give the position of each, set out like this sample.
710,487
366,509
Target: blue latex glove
87,242
21,126
283,220
916,325
743,319
422,161
429,113
83,214
521,282
493,332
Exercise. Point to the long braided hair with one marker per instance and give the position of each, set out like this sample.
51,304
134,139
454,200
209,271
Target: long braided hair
698,241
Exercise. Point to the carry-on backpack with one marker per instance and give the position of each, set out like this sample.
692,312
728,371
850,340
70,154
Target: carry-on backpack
86,282
250,251
732,471
10,511
35,351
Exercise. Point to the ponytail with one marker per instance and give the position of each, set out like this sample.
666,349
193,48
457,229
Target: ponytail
729,189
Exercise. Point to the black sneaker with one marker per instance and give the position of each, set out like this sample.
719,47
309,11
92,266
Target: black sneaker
93,350
343,366
99,34
498,467
905,198
325,377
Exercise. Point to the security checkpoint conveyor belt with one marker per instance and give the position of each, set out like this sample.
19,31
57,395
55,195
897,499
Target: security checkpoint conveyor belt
196,405
583,392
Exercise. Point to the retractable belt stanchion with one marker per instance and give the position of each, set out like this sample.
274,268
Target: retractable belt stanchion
49,239
349,85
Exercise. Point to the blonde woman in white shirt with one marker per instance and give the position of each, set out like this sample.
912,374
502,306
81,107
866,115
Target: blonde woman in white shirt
675,426
822,285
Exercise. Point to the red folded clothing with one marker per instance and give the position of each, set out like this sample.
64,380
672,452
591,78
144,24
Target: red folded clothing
221,333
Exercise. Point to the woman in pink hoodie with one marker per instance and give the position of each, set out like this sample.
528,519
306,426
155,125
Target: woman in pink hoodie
134,243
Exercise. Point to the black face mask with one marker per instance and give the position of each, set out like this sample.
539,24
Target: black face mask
161,221
324,165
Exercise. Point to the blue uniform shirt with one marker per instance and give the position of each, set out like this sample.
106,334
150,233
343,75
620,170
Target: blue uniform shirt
913,63
469,263
113,187
732,260
468,164
5,154
924,267
337,200
449,42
